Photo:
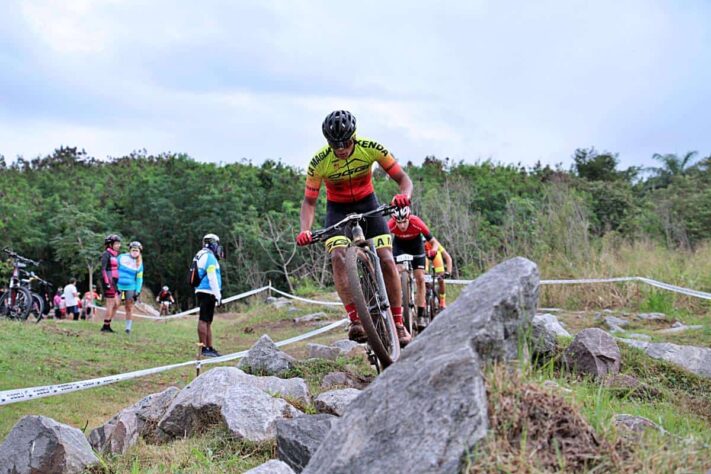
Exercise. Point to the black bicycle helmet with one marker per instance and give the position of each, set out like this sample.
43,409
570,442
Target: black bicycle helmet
111,238
338,127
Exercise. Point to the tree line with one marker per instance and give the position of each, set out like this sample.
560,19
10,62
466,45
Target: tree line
59,207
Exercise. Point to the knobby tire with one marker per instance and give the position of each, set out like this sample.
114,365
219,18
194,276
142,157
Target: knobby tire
363,283
22,306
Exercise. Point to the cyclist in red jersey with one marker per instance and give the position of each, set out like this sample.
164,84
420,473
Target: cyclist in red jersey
408,231
345,165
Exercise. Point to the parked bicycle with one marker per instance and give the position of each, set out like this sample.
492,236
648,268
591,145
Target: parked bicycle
40,298
17,301
365,277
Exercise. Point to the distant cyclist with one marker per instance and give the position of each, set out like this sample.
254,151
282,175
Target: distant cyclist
408,231
440,259
165,299
345,166
130,282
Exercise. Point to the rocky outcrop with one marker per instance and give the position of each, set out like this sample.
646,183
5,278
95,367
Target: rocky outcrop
38,444
692,358
344,380
295,388
222,396
335,402
273,466
264,358
545,330
299,438
319,351
593,352
141,419
424,413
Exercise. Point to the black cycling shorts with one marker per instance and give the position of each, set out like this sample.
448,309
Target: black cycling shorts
414,247
374,226
207,303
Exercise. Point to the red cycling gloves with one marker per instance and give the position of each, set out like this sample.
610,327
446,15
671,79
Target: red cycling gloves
304,238
401,200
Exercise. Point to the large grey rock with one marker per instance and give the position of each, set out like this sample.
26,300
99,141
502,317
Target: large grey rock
294,388
299,438
273,466
335,402
678,327
349,348
319,351
264,358
692,358
593,352
221,396
344,380
37,444
545,329
140,419
424,413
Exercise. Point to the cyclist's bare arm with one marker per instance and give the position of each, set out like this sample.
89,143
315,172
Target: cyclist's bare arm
308,211
403,181
447,261
435,244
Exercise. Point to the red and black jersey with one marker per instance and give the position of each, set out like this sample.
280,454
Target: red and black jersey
415,227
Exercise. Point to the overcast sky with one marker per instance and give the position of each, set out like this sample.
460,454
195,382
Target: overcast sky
470,80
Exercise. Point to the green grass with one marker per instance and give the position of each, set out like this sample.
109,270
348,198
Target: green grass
55,352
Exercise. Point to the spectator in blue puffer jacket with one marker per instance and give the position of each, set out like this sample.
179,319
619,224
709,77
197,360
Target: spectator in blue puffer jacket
209,291
130,279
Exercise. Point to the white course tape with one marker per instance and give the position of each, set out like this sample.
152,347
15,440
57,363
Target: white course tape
19,395
649,281
307,300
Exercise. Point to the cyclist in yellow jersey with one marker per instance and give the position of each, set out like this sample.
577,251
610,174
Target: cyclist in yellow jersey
440,258
345,166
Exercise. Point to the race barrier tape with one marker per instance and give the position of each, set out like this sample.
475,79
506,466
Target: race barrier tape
19,395
649,281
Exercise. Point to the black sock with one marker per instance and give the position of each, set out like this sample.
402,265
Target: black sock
420,312
107,323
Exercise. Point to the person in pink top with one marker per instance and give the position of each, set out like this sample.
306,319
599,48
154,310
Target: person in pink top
57,302
109,275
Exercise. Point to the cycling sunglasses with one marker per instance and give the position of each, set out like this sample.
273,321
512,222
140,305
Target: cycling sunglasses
341,144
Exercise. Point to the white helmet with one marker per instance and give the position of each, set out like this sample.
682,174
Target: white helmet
165,288
209,238
402,213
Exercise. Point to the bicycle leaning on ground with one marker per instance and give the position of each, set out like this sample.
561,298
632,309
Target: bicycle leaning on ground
17,301
365,277
37,309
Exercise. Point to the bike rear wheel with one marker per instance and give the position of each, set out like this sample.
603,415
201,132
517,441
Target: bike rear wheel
377,321
36,309
15,303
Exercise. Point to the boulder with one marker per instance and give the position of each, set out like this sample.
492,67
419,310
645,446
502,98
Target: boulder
319,351
692,358
264,358
593,352
222,396
424,413
545,329
679,327
294,388
273,466
299,438
344,380
651,316
310,317
635,425
141,419
349,348
37,444
335,402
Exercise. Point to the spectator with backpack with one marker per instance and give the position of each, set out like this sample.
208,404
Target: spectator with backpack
205,276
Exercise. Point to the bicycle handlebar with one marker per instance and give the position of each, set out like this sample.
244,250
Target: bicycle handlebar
321,234
19,257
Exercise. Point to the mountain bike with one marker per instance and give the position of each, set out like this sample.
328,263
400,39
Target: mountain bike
407,282
16,302
39,301
431,294
365,277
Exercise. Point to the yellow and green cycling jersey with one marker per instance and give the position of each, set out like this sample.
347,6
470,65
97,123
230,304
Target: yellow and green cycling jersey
348,179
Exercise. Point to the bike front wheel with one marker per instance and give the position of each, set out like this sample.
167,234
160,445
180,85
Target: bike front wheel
377,321
36,309
15,303
408,307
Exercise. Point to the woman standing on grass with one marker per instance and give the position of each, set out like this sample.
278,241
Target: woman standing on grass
109,275
130,279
